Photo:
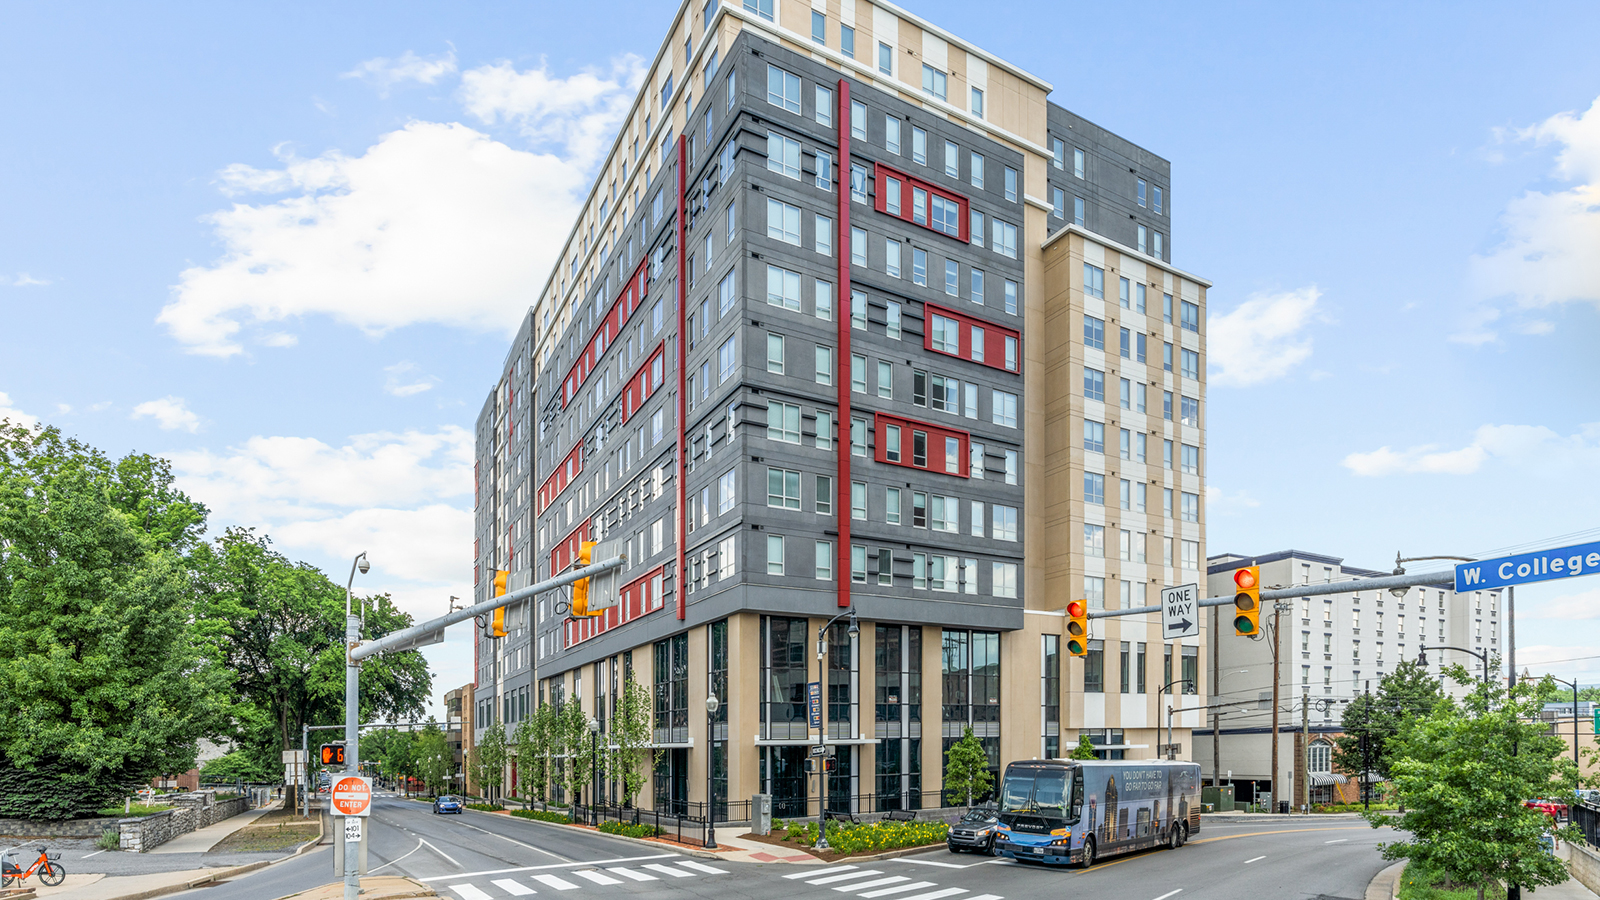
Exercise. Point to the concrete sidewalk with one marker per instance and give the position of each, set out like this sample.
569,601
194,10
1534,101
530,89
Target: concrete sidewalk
732,847
201,840
126,887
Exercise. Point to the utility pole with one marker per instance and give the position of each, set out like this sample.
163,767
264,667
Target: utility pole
1511,635
1216,714
1277,669
1366,752
1301,767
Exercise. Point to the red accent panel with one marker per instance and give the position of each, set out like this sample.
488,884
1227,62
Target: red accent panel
841,503
639,597
644,381
909,183
566,549
681,468
560,478
631,297
936,459
994,339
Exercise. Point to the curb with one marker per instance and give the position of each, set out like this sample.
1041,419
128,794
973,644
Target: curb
643,842
1386,884
1263,818
221,874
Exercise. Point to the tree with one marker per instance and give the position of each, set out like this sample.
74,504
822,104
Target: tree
433,757
1462,772
532,742
630,734
573,726
1084,750
1403,695
489,760
966,769
238,765
103,684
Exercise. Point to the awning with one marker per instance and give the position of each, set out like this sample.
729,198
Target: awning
1323,779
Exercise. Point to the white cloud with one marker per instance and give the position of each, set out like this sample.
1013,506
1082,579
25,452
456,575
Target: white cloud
279,339
17,416
580,112
384,73
398,373
428,544
23,279
1220,502
434,223
1578,606
1262,339
1517,445
171,413
1547,254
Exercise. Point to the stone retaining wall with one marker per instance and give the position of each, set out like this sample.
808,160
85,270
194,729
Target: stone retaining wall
189,812
31,828
1583,862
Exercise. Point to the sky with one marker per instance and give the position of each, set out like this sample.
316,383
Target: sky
286,245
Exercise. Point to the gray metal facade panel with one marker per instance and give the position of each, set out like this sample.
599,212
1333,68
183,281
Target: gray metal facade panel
1108,188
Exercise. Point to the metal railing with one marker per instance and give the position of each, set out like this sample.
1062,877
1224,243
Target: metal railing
1587,818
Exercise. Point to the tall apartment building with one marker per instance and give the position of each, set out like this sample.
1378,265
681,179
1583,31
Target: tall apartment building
854,317
1333,647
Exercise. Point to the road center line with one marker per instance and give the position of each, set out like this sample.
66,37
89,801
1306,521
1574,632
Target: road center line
929,862
1169,894
1257,859
393,861
1339,841
515,841
441,853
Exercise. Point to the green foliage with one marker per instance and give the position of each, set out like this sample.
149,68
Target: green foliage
801,831
1462,772
434,759
877,837
1403,695
1420,883
110,839
395,752
966,770
103,684
540,815
533,745
240,765
131,810
486,807
573,727
489,759
630,734
633,831
1084,750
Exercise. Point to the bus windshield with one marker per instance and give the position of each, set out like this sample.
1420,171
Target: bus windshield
1041,791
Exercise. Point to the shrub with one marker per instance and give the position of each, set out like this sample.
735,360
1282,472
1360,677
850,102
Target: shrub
541,816
110,839
137,809
485,807
881,836
626,830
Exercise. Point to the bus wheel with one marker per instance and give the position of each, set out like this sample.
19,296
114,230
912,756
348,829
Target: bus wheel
1174,837
1087,859
1183,834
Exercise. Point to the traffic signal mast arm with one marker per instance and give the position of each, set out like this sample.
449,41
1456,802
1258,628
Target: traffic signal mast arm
405,635
1420,579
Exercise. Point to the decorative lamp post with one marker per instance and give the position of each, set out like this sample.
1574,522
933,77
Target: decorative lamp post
712,705
594,756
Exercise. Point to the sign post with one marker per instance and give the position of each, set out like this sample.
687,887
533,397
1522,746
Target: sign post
1180,612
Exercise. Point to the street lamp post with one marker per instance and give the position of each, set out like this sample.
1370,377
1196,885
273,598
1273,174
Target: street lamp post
1164,690
1577,771
594,758
1422,657
352,719
822,732
712,705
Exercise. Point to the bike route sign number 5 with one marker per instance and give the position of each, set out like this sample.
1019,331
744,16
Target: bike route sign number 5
352,796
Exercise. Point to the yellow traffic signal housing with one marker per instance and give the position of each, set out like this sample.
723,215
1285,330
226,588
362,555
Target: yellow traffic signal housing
333,754
497,626
580,588
1247,601
1078,628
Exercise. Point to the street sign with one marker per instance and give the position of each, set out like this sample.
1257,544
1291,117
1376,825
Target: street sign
1180,614
1540,565
822,749
352,830
352,796
814,701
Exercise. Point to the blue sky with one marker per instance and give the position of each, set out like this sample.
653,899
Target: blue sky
285,245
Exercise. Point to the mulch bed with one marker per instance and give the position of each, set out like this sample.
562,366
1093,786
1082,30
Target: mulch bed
829,856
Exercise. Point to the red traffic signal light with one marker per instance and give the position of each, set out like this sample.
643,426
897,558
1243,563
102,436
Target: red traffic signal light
1078,628
1247,601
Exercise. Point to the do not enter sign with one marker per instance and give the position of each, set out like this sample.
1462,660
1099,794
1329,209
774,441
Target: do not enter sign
352,796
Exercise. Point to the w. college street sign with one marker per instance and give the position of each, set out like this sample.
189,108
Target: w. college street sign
1540,565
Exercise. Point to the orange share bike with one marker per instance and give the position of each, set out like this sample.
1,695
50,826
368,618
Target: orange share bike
50,871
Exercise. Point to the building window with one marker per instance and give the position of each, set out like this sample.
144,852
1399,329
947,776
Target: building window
1190,316
933,81
775,353
783,223
1094,333
783,422
774,554
1094,436
1094,669
783,155
1011,184
919,146
847,41
819,27
1004,409
977,102
783,489
1004,238
1077,162
824,110
858,120
783,89
1094,281
1077,211
1094,384
885,59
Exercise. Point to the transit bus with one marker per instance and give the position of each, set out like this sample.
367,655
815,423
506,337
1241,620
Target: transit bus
1069,811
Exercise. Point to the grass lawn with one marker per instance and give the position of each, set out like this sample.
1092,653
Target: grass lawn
1417,883
269,834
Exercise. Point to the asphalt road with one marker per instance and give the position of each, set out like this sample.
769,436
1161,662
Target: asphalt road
478,857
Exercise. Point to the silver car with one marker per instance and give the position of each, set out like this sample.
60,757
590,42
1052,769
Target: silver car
974,831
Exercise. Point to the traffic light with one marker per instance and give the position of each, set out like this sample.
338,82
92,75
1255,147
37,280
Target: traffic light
1078,628
333,754
1247,601
580,588
497,627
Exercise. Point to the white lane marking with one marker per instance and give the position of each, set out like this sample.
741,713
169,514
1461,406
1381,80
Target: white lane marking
913,886
1339,841
668,870
1169,894
596,877
441,853
876,882
1257,859
393,861
469,892
935,895
929,862
560,884
636,876
517,842
997,862
566,865
96,853
514,888
986,897
818,872
830,879
700,867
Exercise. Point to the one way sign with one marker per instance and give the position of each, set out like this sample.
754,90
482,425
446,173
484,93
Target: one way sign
1180,615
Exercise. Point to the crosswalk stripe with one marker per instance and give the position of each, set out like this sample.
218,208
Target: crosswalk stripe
700,867
899,889
629,873
596,877
560,884
995,897
830,879
514,888
876,882
469,892
935,895
668,870
818,872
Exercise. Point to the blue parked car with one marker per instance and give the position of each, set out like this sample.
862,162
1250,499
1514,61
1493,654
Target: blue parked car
446,804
